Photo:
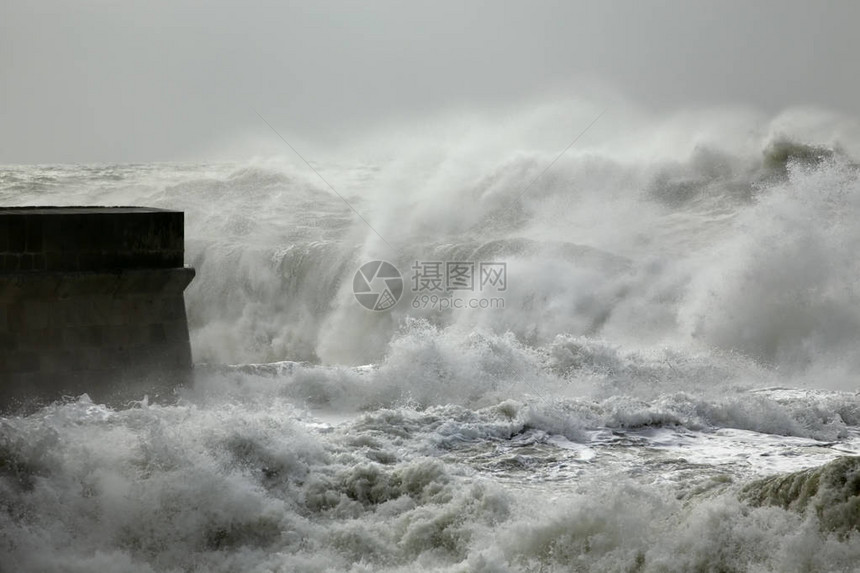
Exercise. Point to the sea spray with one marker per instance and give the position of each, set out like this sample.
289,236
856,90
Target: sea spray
679,322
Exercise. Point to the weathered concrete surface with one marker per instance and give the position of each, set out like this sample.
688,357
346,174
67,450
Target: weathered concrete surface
90,239
91,300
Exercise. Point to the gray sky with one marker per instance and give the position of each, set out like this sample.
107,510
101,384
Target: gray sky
92,81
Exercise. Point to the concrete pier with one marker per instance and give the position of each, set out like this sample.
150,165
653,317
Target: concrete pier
91,301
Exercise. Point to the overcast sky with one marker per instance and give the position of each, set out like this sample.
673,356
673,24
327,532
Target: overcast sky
100,81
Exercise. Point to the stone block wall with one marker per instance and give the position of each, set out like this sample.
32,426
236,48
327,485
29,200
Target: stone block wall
91,300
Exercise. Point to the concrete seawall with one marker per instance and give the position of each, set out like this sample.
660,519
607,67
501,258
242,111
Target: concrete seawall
91,300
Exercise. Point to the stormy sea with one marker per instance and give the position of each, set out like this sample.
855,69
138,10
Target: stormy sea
647,360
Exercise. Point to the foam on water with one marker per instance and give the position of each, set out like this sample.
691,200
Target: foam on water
218,484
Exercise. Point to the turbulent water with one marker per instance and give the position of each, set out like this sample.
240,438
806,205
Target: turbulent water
681,318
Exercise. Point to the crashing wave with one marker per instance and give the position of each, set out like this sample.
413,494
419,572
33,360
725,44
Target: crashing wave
831,492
